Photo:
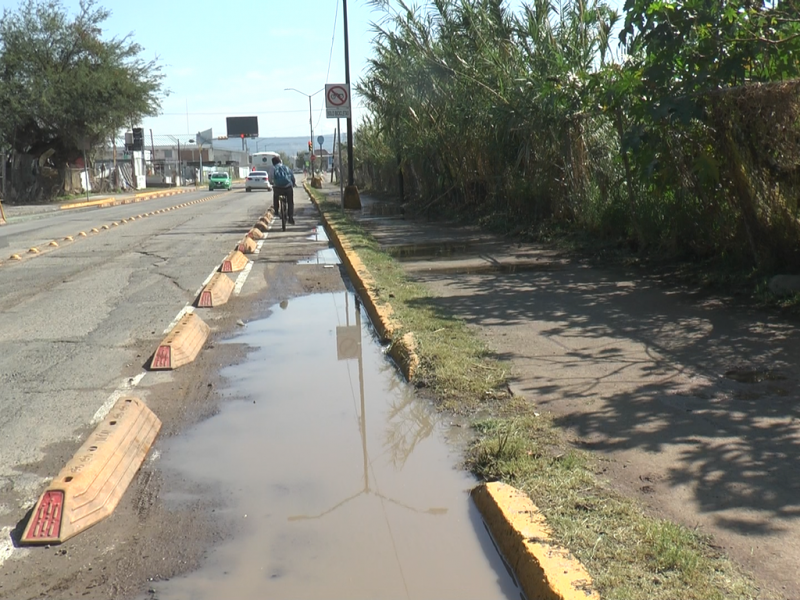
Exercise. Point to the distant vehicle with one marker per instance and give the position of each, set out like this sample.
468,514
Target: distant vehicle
257,180
262,161
297,170
219,181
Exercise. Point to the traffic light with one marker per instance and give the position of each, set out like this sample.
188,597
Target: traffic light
138,139
310,146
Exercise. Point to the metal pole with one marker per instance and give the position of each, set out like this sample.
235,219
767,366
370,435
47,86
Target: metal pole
3,156
311,127
180,163
341,175
347,80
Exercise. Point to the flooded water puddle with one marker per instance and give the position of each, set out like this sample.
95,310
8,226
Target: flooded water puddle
337,479
326,256
318,234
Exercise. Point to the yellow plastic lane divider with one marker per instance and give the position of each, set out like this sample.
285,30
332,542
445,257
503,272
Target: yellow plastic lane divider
182,344
247,245
93,481
235,261
256,234
33,250
544,569
53,243
216,292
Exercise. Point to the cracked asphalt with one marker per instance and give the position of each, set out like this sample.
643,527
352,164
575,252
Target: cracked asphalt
80,319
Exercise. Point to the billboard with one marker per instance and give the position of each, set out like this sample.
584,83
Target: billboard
242,126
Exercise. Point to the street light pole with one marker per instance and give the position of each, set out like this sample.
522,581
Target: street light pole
351,199
310,120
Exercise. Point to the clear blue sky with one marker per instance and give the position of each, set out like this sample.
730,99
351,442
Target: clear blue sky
235,59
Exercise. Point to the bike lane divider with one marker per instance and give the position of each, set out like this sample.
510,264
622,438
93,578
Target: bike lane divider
91,484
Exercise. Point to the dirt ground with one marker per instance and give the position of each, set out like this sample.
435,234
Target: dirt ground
689,400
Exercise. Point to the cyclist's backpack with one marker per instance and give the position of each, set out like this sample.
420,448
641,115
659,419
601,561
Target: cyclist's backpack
282,176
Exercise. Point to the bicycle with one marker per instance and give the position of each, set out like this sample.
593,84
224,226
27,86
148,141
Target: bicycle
283,204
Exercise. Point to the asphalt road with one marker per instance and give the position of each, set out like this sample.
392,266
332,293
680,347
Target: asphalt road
81,320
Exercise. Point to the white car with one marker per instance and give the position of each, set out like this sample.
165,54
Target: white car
257,180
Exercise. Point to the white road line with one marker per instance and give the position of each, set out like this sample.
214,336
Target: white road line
260,243
186,310
122,390
242,278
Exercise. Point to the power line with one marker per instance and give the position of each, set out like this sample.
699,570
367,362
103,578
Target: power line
330,55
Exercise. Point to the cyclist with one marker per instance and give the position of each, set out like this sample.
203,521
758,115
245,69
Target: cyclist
283,181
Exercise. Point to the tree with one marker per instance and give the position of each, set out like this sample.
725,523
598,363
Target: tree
64,88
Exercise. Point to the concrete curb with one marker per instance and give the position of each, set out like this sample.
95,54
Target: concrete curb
542,568
111,201
403,348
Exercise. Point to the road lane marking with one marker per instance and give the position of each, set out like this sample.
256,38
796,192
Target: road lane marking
122,390
184,311
242,278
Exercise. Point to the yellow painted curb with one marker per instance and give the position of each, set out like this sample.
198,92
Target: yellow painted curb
182,344
235,261
86,203
403,349
216,292
543,569
92,483
247,245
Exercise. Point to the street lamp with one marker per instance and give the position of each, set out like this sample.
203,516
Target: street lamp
310,122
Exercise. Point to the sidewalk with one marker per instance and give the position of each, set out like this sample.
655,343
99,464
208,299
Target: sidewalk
691,402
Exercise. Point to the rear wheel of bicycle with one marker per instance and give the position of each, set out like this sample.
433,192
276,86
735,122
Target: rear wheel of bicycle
283,213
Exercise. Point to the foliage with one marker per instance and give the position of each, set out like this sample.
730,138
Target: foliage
64,87
523,119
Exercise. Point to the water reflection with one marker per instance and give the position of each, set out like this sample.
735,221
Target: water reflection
337,483
348,347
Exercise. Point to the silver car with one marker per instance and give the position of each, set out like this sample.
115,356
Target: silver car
257,180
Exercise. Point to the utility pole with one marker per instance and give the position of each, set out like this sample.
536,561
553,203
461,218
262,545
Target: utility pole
351,199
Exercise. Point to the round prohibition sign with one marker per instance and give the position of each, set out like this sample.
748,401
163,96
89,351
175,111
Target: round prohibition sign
337,95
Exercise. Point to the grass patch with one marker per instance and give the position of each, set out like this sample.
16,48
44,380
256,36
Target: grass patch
455,366
630,555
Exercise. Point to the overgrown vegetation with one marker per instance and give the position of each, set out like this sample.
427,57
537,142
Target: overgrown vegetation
683,139
630,555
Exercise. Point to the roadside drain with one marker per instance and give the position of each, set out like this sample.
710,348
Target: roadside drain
338,481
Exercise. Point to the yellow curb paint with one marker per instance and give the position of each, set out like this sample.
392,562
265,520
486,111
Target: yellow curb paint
403,349
544,569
